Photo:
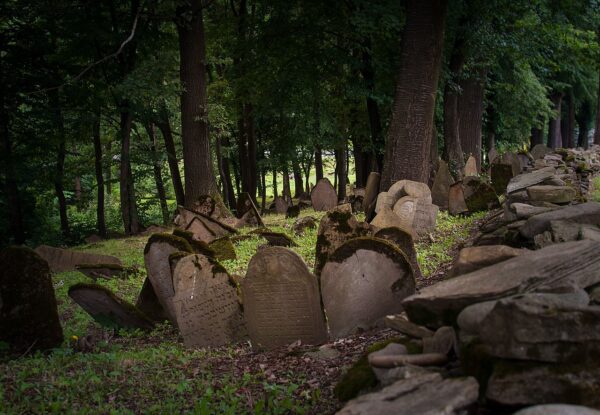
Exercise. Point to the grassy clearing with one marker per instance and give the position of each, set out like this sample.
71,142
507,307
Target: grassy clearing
154,373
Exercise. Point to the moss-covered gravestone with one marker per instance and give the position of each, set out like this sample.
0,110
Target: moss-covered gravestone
335,228
60,260
147,302
281,300
364,280
198,247
223,249
471,167
404,241
500,175
156,257
479,195
28,314
323,196
203,227
108,309
207,306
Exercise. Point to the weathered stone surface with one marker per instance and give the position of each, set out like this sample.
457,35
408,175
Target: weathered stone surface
198,247
371,190
61,260
519,384
223,248
104,271
206,303
444,341
383,200
28,314
281,300
479,195
469,320
281,206
426,393
477,257
552,194
441,186
302,224
323,196
539,151
404,241
293,211
419,359
247,211
585,213
543,327
158,268
400,323
525,211
386,218
410,188
500,175
335,228
417,214
440,304
557,409
204,228
108,309
148,303
364,280
212,207
471,167
456,199
525,180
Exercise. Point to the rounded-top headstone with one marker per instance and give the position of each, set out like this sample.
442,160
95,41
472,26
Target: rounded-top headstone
28,313
323,196
281,300
206,303
364,280
405,242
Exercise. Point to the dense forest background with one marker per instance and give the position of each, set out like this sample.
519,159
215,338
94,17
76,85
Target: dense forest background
114,111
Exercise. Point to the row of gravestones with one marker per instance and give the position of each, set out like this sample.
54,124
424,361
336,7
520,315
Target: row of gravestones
322,197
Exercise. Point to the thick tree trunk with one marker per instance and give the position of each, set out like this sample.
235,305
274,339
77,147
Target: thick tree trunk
318,163
157,168
597,125
490,137
126,187
582,138
60,162
263,178
287,192
226,174
368,73
567,123
340,168
164,125
537,136
298,184
411,124
470,114
199,176
554,139
100,217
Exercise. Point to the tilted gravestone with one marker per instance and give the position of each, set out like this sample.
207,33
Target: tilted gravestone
404,241
281,206
28,313
147,302
371,190
471,167
281,300
364,280
156,258
456,199
323,196
247,212
441,186
223,248
60,260
108,309
206,303
204,228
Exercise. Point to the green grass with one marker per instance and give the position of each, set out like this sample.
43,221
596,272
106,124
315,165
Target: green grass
595,196
153,373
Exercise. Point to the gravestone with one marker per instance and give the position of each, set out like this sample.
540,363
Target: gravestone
147,302
223,249
281,206
207,306
479,195
336,227
386,218
500,175
364,280
323,196
441,186
404,241
28,313
471,167
212,207
281,300
247,211
416,214
104,271
301,224
158,268
60,260
203,227
456,199
371,190
198,247
108,309
539,151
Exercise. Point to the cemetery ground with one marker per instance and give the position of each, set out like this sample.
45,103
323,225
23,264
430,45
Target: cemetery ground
132,371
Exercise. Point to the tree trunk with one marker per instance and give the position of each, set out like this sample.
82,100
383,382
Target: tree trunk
275,192
340,168
243,152
378,143
126,187
318,163
567,123
100,217
411,124
160,187
597,125
554,139
582,138
226,174
199,176
109,168
164,125
263,178
60,162
287,193
470,114
298,184
537,136
252,168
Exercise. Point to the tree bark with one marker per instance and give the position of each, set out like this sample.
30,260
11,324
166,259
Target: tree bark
199,176
582,138
567,124
109,168
470,114
287,193
318,163
129,213
156,167
100,217
340,168
298,184
60,162
164,125
597,125
537,136
554,139
411,125
275,192
263,178
378,143
229,194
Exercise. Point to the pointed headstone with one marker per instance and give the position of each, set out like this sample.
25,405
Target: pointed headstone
456,199
247,211
471,167
441,186
323,196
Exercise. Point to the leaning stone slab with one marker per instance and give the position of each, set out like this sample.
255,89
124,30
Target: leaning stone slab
281,300
525,180
28,313
552,194
557,409
323,196
278,239
425,393
205,228
404,241
158,268
147,302
576,263
104,271
108,309
61,260
223,249
207,306
456,199
441,186
247,212
281,206
399,323
500,175
585,213
473,258
539,151
479,195
525,211
364,280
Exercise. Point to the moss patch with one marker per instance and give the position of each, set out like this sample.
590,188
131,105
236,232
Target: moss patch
173,240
